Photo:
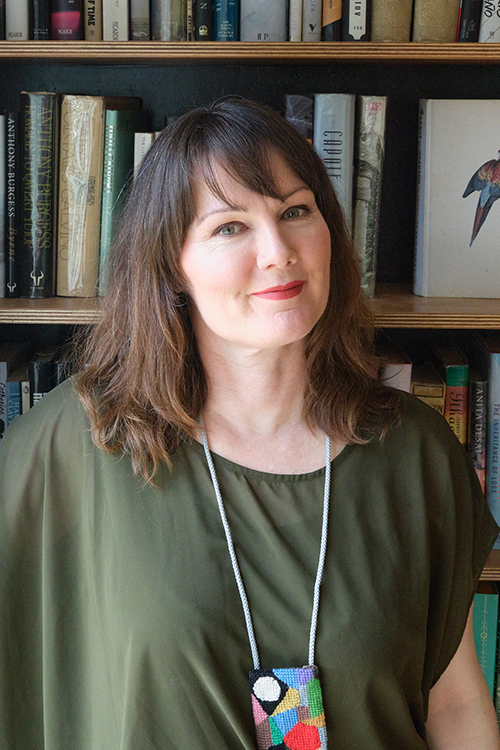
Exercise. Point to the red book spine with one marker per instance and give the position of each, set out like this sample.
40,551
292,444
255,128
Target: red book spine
67,20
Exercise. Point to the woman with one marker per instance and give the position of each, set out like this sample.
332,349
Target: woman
165,512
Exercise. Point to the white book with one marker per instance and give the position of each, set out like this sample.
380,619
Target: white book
334,141
16,20
263,21
312,14
115,20
142,142
489,28
295,21
458,219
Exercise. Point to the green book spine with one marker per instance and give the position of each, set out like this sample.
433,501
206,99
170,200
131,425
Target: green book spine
485,624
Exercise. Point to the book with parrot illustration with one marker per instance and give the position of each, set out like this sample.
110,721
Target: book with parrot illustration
458,218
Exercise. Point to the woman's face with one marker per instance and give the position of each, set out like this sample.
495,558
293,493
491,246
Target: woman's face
257,268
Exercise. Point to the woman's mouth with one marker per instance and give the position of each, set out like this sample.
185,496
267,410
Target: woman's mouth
287,291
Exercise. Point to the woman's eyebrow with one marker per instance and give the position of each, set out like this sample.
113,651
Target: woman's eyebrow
227,207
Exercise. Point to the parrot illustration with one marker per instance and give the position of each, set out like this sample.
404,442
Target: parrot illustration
487,181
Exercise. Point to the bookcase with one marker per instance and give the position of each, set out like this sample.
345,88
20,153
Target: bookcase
172,76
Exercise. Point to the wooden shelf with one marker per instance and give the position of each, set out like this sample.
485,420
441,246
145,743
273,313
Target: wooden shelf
394,307
120,53
491,570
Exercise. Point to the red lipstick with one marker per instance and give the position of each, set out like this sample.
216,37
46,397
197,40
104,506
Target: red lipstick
287,291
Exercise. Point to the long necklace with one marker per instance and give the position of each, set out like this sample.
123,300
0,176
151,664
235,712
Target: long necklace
287,703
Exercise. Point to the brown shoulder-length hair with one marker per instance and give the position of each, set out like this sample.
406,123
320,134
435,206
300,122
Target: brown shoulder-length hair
141,380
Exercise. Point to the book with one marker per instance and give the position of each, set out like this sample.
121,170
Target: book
485,626
356,20
295,21
312,20
489,24
477,424
454,369
456,252
16,382
11,356
17,25
370,139
2,19
263,22
333,138
299,111
115,21
396,367
42,372
428,385
118,166
3,200
39,144
391,20
331,21
203,18
435,20
189,21
169,20
139,20
67,20
142,143
12,204
92,20
40,21
469,20
226,20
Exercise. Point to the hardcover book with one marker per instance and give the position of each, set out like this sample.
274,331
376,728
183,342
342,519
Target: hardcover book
391,20
40,19
39,172
142,144
435,20
469,20
169,20
454,368
295,21
12,204
478,422
356,20
92,20
115,21
226,20
485,626
458,221
299,111
3,200
11,357
67,20
17,25
203,17
312,17
263,22
489,29
396,367
42,372
368,185
334,142
139,20
428,385
332,21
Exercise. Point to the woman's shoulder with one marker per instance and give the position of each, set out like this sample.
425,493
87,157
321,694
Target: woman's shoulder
418,419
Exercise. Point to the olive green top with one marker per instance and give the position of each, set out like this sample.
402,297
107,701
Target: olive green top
121,626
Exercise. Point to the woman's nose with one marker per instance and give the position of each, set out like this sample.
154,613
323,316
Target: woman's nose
274,249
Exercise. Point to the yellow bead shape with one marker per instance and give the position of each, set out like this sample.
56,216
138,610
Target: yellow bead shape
291,700
318,721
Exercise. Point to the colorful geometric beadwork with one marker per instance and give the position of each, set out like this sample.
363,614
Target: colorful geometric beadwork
288,709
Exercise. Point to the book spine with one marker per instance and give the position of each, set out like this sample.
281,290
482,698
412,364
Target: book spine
92,20
80,184
299,111
12,205
42,378
13,397
391,20
312,16
420,269
39,181
226,20
25,396
203,20
493,440
489,29
477,427
469,20
169,20
139,20
2,20
485,626
356,18
295,21
115,22
67,20
435,20
332,21
190,20
17,20
370,160
263,22
142,144
334,141
3,397
456,401
3,200
40,19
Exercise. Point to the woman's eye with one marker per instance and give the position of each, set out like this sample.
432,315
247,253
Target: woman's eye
227,230
295,212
